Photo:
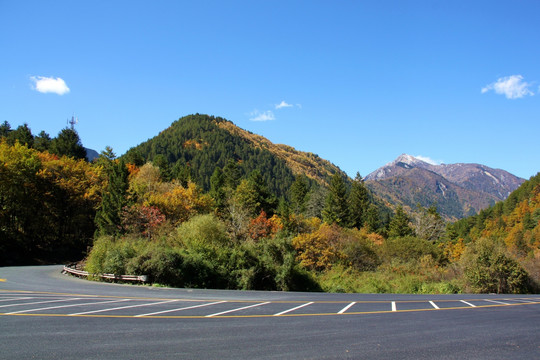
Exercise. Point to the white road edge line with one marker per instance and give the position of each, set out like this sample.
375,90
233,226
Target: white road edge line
346,308
468,303
434,305
294,308
394,306
180,309
122,307
497,302
65,306
238,309
40,302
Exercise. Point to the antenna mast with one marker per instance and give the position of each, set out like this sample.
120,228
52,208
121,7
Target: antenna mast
73,122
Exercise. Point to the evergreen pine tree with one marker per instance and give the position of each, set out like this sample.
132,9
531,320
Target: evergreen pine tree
68,143
42,142
23,135
298,193
266,200
164,168
372,220
5,129
399,225
108,217
336,209
232,174
358,202
217,190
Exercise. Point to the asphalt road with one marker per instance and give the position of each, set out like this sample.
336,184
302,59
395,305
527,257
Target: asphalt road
47,315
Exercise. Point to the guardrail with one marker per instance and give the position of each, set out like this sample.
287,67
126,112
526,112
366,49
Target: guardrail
75,270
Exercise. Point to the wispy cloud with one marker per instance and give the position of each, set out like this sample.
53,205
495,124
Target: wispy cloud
428,160
282,105
262,116
513,87
49,85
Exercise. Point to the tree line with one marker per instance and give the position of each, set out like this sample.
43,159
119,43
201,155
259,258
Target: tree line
131,215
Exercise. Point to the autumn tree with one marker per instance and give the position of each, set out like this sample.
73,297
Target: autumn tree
428,224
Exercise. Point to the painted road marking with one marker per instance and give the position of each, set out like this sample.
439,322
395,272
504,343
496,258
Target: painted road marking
468,303
233,310
394,306
180,309
346,308
18,298
64,306
350,313
520,300
40,302
123,307
434,305
497,302
294,308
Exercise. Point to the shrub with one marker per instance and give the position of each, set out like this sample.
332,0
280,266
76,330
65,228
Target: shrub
488,268
409,249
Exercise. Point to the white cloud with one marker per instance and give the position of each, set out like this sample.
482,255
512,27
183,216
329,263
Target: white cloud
49,85
283,104
262,116
513,87
428,160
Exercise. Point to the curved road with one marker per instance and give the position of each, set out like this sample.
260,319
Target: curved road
47,315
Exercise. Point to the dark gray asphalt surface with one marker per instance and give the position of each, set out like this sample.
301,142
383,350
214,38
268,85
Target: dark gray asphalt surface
367,330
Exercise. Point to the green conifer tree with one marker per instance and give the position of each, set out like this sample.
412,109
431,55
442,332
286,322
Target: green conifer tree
23,135
299,194
399,225
42,142
336,209
68,143
358,202
108,217
5,128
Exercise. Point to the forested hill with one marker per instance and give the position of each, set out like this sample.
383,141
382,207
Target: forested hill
195,145
515,220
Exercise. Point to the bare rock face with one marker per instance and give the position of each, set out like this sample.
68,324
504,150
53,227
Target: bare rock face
458,190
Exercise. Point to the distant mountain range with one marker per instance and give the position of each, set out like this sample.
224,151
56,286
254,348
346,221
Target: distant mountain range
457,190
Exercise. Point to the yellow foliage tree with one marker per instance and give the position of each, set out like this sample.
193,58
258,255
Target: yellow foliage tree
179,204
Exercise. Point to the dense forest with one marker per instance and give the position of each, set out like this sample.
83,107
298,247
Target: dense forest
236,216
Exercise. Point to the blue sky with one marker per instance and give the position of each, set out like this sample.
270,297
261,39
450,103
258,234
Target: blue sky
356,82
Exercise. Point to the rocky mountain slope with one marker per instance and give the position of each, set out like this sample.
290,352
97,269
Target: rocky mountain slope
457,190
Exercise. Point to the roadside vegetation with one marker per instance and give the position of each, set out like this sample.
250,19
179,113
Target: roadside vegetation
130,216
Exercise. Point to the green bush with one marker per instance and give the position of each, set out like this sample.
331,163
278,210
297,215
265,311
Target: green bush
409,249
162,265
202,231
488,268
